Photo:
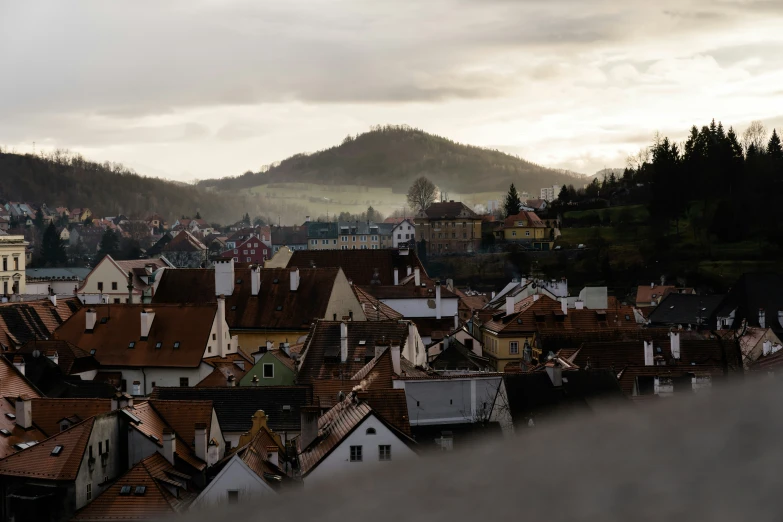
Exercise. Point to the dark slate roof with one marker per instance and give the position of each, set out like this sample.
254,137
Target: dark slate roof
533,395
449,210
297,309
360,265
320,230
157,248
322,355
751,293
686,309
235,406
619,354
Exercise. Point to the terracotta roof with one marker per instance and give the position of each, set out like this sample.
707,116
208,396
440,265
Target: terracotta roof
16,434
184,242
378,373
152,426
284,358
529,219
409,291
631,353
38,462
12,383
409,370
449,210
391,405
322,356
23,322
236,406
70,358
326,391
47,413
156,501
183,416
236,365
276,308
646,294
627,375
360,265
374,309
289,235
189,325
432,327
254,454
535,203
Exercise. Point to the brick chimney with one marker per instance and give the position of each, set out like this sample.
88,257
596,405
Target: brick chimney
396,277
169,445
509,305
649,359
343,342
309,430
120,401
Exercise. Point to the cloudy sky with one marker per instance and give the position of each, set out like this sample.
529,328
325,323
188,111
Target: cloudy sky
208,88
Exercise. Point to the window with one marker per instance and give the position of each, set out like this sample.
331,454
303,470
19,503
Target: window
354,238
107,440
344,239
5,264
514,233
114,285
269,371
233,496
384,452
116,300
370,431
90,452
16,263
100,286
399,236
125,491
183,382
100,448
407,236
89,491
356,453
312,242
214,337
158,345
248,259
132,344
236,251
527,232
176,345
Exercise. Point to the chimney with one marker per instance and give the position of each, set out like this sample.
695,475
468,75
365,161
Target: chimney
343,342
24,412
674,338
307,219
231,381
555,372
255,280
396,277
147,316
564,305
169,445
762,318
648,354
202,441
456,321
19,364
294,279
580,305
417,276
121,401
309,430
379,347
224,277
437,300
780,317
53,299
766,348
91,317
221,322
54,357
395,354
408,270
509,305
652,285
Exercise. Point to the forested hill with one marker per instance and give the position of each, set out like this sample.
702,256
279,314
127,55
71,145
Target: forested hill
61,179
393,156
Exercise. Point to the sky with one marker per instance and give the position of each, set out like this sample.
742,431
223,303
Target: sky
198,89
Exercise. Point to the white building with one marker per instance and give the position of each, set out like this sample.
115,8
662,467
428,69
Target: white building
12,271
403,233
549,194
108,281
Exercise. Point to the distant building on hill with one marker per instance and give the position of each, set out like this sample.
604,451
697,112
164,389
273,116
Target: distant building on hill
550,194
449,227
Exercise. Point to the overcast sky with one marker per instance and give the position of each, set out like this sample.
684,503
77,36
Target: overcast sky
208,88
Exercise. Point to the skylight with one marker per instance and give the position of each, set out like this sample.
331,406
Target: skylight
92,352
5,432
131,344
125,490
10,416
362,343
140,490
158,345
104,320
176,345
57,450
279,308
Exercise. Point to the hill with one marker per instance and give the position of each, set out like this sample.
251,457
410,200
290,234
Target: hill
393,156
62,179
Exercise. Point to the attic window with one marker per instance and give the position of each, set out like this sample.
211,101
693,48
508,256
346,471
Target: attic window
140,490
10,416
627,317
176,345
158,345
233,307
56,451
104,320
5,432
279,308
125,490
519,321
132,344
362,343
92,352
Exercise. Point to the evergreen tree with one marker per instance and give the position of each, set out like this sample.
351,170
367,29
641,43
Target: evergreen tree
512,202
52,248
563,196
39,220
110,245
774,150
198,215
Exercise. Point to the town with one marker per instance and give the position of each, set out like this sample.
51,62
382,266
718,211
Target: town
155,366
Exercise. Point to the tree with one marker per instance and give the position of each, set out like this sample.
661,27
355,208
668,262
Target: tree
754,136
258,221
563,197
109,246
512,202
422,194
88,221
52,248
39,220
198,215
774,149
372,215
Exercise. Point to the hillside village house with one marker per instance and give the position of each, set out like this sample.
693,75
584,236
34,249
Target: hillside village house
12,252
363,235
153,345
526,227
185,251
108,281
403,233
321,236
265,304
79,215
251,250
293,237
449,227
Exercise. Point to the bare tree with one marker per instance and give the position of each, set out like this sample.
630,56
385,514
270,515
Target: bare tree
422,194
755,135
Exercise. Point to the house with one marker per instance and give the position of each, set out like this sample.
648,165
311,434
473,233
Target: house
79,215
15,431
526,227
21,213
108,281
23,322
57,281
157,222
403,233
265,304
254,471
185,251
449,227
652,295
454,357
521,288
756,344
686,311
60,369
536,205
228,370
293,237
5,219
251,250
755,300
12,252
236,406
240,236
363,235
154,345
350,437
374,310
272,368
322,236
60,475
461,335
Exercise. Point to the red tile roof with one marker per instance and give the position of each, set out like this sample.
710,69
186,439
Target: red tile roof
645,294
17,434
449,210
157,501
184,242
528,219
189,325
23,322
374,309
47,413
38,462
360,266
70,358
12,383
183,416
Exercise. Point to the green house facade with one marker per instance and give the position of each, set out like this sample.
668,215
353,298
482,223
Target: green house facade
270,369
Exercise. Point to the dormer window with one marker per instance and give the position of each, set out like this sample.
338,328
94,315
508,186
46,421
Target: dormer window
176,345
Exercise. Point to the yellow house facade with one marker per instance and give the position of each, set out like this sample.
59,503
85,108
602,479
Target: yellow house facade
12,252
502,349
526,227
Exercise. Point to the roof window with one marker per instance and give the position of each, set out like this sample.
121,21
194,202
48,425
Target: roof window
10,416
104,320
92,352
56,450
158,345
132,344
176,345
279,308
5,432
125,490
140,490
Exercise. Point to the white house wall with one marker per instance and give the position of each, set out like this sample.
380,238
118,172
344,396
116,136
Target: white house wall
449,401
422,307
162,376
235,476
339,460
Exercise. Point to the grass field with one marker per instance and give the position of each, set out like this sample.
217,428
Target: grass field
638,212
